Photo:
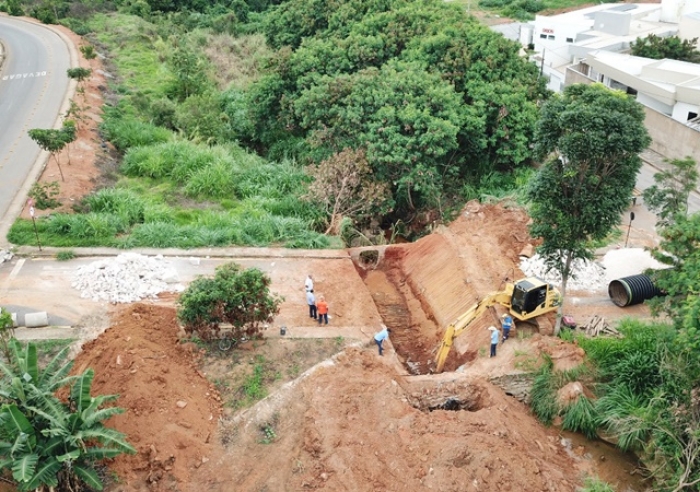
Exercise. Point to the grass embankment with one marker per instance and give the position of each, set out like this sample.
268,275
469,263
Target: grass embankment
173,188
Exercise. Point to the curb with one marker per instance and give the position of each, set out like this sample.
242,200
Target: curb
233,252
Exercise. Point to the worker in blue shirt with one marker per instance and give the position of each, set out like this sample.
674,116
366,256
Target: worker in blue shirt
494,339
506,324
381,336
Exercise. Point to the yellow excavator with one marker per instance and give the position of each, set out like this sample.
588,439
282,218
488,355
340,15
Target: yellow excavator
525,299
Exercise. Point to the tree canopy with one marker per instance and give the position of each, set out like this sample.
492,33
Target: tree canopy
237,296
432,96
673,47
668,196
591,137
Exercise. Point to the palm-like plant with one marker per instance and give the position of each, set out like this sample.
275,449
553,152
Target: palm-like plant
47,443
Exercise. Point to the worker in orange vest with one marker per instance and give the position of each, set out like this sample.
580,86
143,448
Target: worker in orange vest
322,308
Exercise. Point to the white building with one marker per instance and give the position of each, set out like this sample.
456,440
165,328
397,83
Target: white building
670,87
564,39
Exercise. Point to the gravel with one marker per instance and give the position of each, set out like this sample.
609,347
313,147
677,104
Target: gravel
129,277
595,275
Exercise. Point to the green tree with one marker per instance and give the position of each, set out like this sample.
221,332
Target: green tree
344,185
189,68
237,296
679,250
53,141
672,47
45,442
668,196
404,116
592,137
79,73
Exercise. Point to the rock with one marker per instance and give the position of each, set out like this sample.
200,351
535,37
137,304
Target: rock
181,404
528,251
129,277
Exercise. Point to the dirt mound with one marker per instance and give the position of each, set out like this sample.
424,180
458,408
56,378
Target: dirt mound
356,425
421,288
171,409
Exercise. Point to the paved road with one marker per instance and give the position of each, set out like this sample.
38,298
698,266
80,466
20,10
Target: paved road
33,84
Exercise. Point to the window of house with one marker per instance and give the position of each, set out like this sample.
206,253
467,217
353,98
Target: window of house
543,36
631,92
692,115
551,37
569,40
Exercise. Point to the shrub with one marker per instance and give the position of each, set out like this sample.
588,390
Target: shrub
44,195
237,296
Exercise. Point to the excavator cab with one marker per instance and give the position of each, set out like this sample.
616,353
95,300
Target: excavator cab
532,297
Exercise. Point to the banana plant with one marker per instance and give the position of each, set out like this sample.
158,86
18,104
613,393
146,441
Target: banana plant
48,443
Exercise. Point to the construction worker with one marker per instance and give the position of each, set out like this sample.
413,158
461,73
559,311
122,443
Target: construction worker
379,337
506,324
494,339
322,308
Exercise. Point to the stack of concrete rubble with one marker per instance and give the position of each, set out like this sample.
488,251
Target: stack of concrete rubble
587,275
127,278
5,255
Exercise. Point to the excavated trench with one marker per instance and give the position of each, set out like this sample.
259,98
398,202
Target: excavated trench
414,333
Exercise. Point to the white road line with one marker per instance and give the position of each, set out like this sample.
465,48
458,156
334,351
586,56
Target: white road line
16,269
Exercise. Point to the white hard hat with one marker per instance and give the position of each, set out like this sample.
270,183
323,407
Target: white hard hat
493,328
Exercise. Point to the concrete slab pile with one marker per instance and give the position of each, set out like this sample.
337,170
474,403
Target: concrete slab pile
127,278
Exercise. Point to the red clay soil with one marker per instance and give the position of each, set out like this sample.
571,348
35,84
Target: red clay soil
359,426
79,160
172,410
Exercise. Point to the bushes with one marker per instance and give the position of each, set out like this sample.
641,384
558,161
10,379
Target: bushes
128,132
237,296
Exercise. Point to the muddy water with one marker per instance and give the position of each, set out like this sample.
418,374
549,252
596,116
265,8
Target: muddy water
598,458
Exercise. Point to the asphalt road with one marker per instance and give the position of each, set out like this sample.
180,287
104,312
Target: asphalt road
33,85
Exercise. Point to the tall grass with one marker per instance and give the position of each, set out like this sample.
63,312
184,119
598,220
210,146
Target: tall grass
581,416
543,396
128,132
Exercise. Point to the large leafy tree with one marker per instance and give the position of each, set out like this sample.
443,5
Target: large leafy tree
48,443
237,296
404,116
680,250
433,97
591,137
668,196
673,47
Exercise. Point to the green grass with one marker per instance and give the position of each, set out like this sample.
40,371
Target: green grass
594,484
581,416
65,255
135,49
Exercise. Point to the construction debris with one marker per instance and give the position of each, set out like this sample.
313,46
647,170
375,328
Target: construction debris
598,325
127,278
5,255
586,275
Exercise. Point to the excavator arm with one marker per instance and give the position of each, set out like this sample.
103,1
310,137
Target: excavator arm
461,324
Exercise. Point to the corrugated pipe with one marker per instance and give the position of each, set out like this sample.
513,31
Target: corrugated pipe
628,291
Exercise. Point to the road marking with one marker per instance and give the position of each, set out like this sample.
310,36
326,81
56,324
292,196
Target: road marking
28,75
16,269
6,284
